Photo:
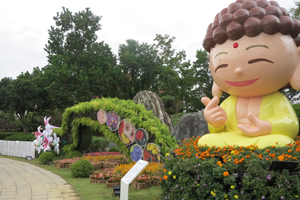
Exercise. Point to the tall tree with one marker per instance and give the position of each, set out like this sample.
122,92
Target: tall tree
23,96
141,66
175,79
295,12
203,77
79,68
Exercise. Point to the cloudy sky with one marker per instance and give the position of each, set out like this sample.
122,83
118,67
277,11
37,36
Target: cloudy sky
24,26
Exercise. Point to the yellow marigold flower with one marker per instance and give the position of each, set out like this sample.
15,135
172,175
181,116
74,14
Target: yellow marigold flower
232,186
170,173
174,177
236,196
280,158
167,154
225,196
232,152
296,196
197,184
226,174
154,151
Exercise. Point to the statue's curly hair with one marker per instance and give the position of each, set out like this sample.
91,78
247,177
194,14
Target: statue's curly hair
250,17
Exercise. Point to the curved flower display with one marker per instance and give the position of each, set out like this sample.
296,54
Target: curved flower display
136,153
141,137
101,116
112,120
151,153
126,131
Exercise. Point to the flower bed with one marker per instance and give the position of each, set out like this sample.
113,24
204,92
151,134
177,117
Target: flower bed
103,153
98,162
193,172
148,177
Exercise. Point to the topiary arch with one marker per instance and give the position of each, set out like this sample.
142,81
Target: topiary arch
80,120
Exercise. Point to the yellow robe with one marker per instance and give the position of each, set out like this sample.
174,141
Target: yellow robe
275,108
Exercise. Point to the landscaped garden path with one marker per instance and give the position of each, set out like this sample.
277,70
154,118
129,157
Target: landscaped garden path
20,180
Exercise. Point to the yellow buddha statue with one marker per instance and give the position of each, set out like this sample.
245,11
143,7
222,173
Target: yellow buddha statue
254,52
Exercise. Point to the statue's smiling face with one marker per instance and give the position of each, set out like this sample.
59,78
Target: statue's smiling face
254,66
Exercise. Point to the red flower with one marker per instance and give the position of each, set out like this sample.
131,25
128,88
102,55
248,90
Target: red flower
139,135
121,128
147,156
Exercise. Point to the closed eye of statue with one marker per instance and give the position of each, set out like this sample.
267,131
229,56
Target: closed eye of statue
259,60
221,66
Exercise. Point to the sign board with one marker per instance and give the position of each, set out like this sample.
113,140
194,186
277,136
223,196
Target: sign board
130,176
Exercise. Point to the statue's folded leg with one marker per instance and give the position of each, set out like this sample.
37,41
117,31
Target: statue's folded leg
274,139
214,139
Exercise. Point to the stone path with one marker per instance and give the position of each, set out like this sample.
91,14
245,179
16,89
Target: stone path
20,180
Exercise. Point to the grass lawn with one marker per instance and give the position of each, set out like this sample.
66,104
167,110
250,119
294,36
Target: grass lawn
87,190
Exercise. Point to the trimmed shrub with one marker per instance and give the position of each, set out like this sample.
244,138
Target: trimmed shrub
6,134
46,156
114,149
74,154
20,137
98,144
81,168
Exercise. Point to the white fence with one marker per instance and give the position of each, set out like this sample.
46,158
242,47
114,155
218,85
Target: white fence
17,148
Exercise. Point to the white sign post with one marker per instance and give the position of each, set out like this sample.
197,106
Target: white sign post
130,176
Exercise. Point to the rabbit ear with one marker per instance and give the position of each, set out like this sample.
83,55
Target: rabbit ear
216,90
295,80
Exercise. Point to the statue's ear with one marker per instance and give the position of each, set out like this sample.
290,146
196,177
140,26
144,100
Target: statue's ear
216,90
295,79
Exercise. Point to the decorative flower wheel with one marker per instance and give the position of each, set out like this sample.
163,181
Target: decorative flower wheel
136,152
141,137
101,116
112,121
151,153
126,131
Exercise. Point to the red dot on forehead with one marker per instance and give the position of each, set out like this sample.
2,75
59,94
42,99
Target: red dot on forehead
235,45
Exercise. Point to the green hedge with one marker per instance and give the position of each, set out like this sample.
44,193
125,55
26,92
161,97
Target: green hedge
16,136
297,109
6,134
85,114
22,137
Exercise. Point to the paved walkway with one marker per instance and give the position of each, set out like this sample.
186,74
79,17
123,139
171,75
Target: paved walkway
20,180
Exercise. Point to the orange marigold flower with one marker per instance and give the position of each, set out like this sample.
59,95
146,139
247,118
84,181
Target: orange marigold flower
164,170
226,173
267,150
165,177
280,158
290,150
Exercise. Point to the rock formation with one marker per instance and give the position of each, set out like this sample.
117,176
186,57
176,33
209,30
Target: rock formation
152,102
192,124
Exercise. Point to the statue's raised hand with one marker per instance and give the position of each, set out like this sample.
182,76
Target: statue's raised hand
213,113
257,127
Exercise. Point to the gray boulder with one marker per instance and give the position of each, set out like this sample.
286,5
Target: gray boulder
192,124
151,101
